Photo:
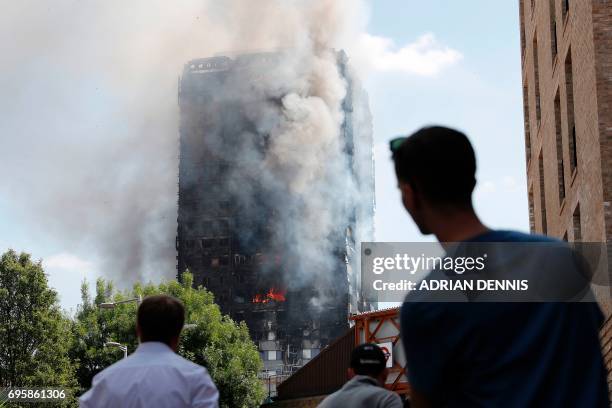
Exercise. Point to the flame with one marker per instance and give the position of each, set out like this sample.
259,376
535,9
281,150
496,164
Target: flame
273,294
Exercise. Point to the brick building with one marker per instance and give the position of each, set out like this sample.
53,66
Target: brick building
566,50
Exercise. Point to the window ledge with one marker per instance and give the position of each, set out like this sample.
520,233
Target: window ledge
573,178
565,21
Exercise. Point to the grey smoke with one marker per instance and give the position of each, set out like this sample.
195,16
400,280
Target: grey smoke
89,125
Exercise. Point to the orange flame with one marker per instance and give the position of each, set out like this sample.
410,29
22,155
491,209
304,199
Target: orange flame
273,294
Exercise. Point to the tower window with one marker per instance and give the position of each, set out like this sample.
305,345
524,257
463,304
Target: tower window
542,194
571,125
577,225
526,116
536,72
553,28
531,212
559,140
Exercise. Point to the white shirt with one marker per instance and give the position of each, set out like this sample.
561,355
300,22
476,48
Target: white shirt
153,376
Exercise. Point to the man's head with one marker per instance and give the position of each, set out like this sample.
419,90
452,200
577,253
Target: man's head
160,318
369,359
435,168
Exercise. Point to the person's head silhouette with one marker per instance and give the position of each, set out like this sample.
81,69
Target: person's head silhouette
160,318
435,169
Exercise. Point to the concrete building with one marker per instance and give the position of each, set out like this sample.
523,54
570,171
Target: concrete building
566,50
228,206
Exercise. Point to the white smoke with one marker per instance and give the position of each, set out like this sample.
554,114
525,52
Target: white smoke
89,129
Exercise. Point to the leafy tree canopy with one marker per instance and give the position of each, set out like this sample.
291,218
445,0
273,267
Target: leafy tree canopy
41,346
35,334
211,339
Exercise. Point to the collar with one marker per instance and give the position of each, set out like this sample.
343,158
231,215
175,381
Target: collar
366,379
153,347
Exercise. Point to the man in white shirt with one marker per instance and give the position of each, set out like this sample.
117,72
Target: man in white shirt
154,375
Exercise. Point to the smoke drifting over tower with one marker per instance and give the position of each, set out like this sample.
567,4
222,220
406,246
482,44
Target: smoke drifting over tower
276,187
89,102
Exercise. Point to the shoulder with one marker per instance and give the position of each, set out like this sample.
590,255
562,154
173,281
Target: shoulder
391,399
512,236
183,364
119,365
329,400
414,310
424,306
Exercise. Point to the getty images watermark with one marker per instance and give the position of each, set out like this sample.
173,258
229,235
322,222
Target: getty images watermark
486,272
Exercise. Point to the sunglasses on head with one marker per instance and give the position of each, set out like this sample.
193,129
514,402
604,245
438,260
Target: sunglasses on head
395,143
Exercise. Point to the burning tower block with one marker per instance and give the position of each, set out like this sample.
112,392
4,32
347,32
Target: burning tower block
275,244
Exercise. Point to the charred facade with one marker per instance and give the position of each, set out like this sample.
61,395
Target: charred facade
229,236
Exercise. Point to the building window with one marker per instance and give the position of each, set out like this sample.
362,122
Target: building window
526,116
224,205
559,139
536,73
272,355
571,125
306,354
553,29
577,225
224,260
222,227
207,227
239,259
573,149
543,229
522,19
531,213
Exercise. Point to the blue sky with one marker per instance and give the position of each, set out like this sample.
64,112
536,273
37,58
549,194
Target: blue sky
479,94
443,62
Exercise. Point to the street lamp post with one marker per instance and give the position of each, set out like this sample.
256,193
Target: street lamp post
118,345
111,305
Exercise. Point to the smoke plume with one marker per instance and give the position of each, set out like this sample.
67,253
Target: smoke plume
89,129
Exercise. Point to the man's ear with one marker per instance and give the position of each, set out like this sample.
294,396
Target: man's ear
408,195
350,373
383,376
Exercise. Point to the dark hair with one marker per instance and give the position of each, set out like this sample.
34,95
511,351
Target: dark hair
160,318
439,163
368,359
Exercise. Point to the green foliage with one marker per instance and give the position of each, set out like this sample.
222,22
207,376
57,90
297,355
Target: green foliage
35,333
41,346
93,327
215,341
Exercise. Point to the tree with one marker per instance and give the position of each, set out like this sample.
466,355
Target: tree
214,341
35,333
93,327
